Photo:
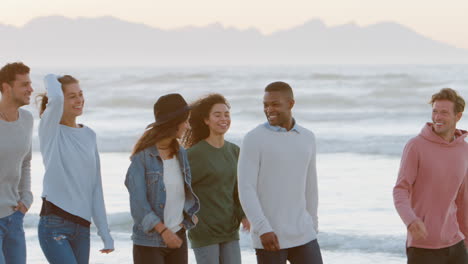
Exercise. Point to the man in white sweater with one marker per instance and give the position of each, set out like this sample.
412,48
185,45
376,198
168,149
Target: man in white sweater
15,160
278,184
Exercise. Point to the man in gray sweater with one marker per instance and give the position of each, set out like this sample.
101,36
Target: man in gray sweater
278,184
15,160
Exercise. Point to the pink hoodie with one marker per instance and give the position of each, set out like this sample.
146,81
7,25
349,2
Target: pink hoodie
432,186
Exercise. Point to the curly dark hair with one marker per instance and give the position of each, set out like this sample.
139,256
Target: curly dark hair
201,111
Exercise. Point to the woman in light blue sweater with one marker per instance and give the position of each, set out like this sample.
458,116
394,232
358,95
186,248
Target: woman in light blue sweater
72,188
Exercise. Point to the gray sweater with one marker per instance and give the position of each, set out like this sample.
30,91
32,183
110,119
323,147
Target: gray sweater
278,185
15,162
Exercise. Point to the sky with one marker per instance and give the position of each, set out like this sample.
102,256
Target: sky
445,21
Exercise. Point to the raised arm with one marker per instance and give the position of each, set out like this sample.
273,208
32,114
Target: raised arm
50,120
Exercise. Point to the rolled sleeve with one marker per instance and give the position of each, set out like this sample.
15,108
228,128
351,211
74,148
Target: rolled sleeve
149,222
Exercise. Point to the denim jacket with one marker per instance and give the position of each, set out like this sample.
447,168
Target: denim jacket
145,185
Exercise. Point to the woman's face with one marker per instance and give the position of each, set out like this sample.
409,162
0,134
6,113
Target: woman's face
182,128
219,119
73,100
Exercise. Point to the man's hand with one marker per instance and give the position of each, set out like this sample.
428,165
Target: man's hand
417,230
21,207
270,241
245,224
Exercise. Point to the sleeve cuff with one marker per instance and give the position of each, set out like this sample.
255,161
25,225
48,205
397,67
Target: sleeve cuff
149,222
27,202
108,242
409,220
263,228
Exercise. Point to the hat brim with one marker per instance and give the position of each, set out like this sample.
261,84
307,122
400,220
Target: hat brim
168,118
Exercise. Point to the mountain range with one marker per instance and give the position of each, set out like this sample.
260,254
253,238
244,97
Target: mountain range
108,41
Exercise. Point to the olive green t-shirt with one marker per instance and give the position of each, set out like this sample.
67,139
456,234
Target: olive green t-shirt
214,181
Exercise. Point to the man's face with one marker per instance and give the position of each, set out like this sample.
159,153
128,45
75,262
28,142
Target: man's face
444,117
20,89
277,108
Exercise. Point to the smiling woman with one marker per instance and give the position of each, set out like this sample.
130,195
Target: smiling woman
213,163
72,189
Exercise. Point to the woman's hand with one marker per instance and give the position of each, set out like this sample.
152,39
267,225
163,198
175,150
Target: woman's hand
106,251
195,219
172,240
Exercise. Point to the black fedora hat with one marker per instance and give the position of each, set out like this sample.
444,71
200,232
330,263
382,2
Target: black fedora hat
169,107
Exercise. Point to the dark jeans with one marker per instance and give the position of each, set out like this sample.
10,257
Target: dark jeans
306,254
455,254
160,255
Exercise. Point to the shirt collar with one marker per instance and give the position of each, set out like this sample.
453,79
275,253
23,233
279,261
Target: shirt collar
295,128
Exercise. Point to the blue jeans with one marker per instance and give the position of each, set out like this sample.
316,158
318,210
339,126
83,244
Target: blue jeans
222,253
306,254
63,241
12,241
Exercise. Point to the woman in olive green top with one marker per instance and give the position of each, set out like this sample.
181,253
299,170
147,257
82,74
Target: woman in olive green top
213,162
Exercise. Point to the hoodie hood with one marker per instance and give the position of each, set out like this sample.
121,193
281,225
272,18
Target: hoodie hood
428,134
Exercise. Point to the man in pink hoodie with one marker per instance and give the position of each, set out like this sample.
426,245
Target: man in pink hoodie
431,193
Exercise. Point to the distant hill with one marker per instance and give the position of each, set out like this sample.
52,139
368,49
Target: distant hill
107,41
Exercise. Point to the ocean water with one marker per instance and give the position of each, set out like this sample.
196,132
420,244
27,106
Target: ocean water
362,117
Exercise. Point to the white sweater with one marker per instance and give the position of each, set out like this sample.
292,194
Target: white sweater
72,179
278,185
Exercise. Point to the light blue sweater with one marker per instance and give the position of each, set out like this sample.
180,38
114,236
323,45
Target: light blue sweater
72,179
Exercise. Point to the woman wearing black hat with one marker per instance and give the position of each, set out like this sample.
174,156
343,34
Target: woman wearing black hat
158,180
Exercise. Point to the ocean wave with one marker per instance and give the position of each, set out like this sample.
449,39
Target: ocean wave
375,145
148,78
390,244
343,77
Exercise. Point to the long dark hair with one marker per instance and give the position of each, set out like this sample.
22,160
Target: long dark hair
200,111
42,98
154,134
